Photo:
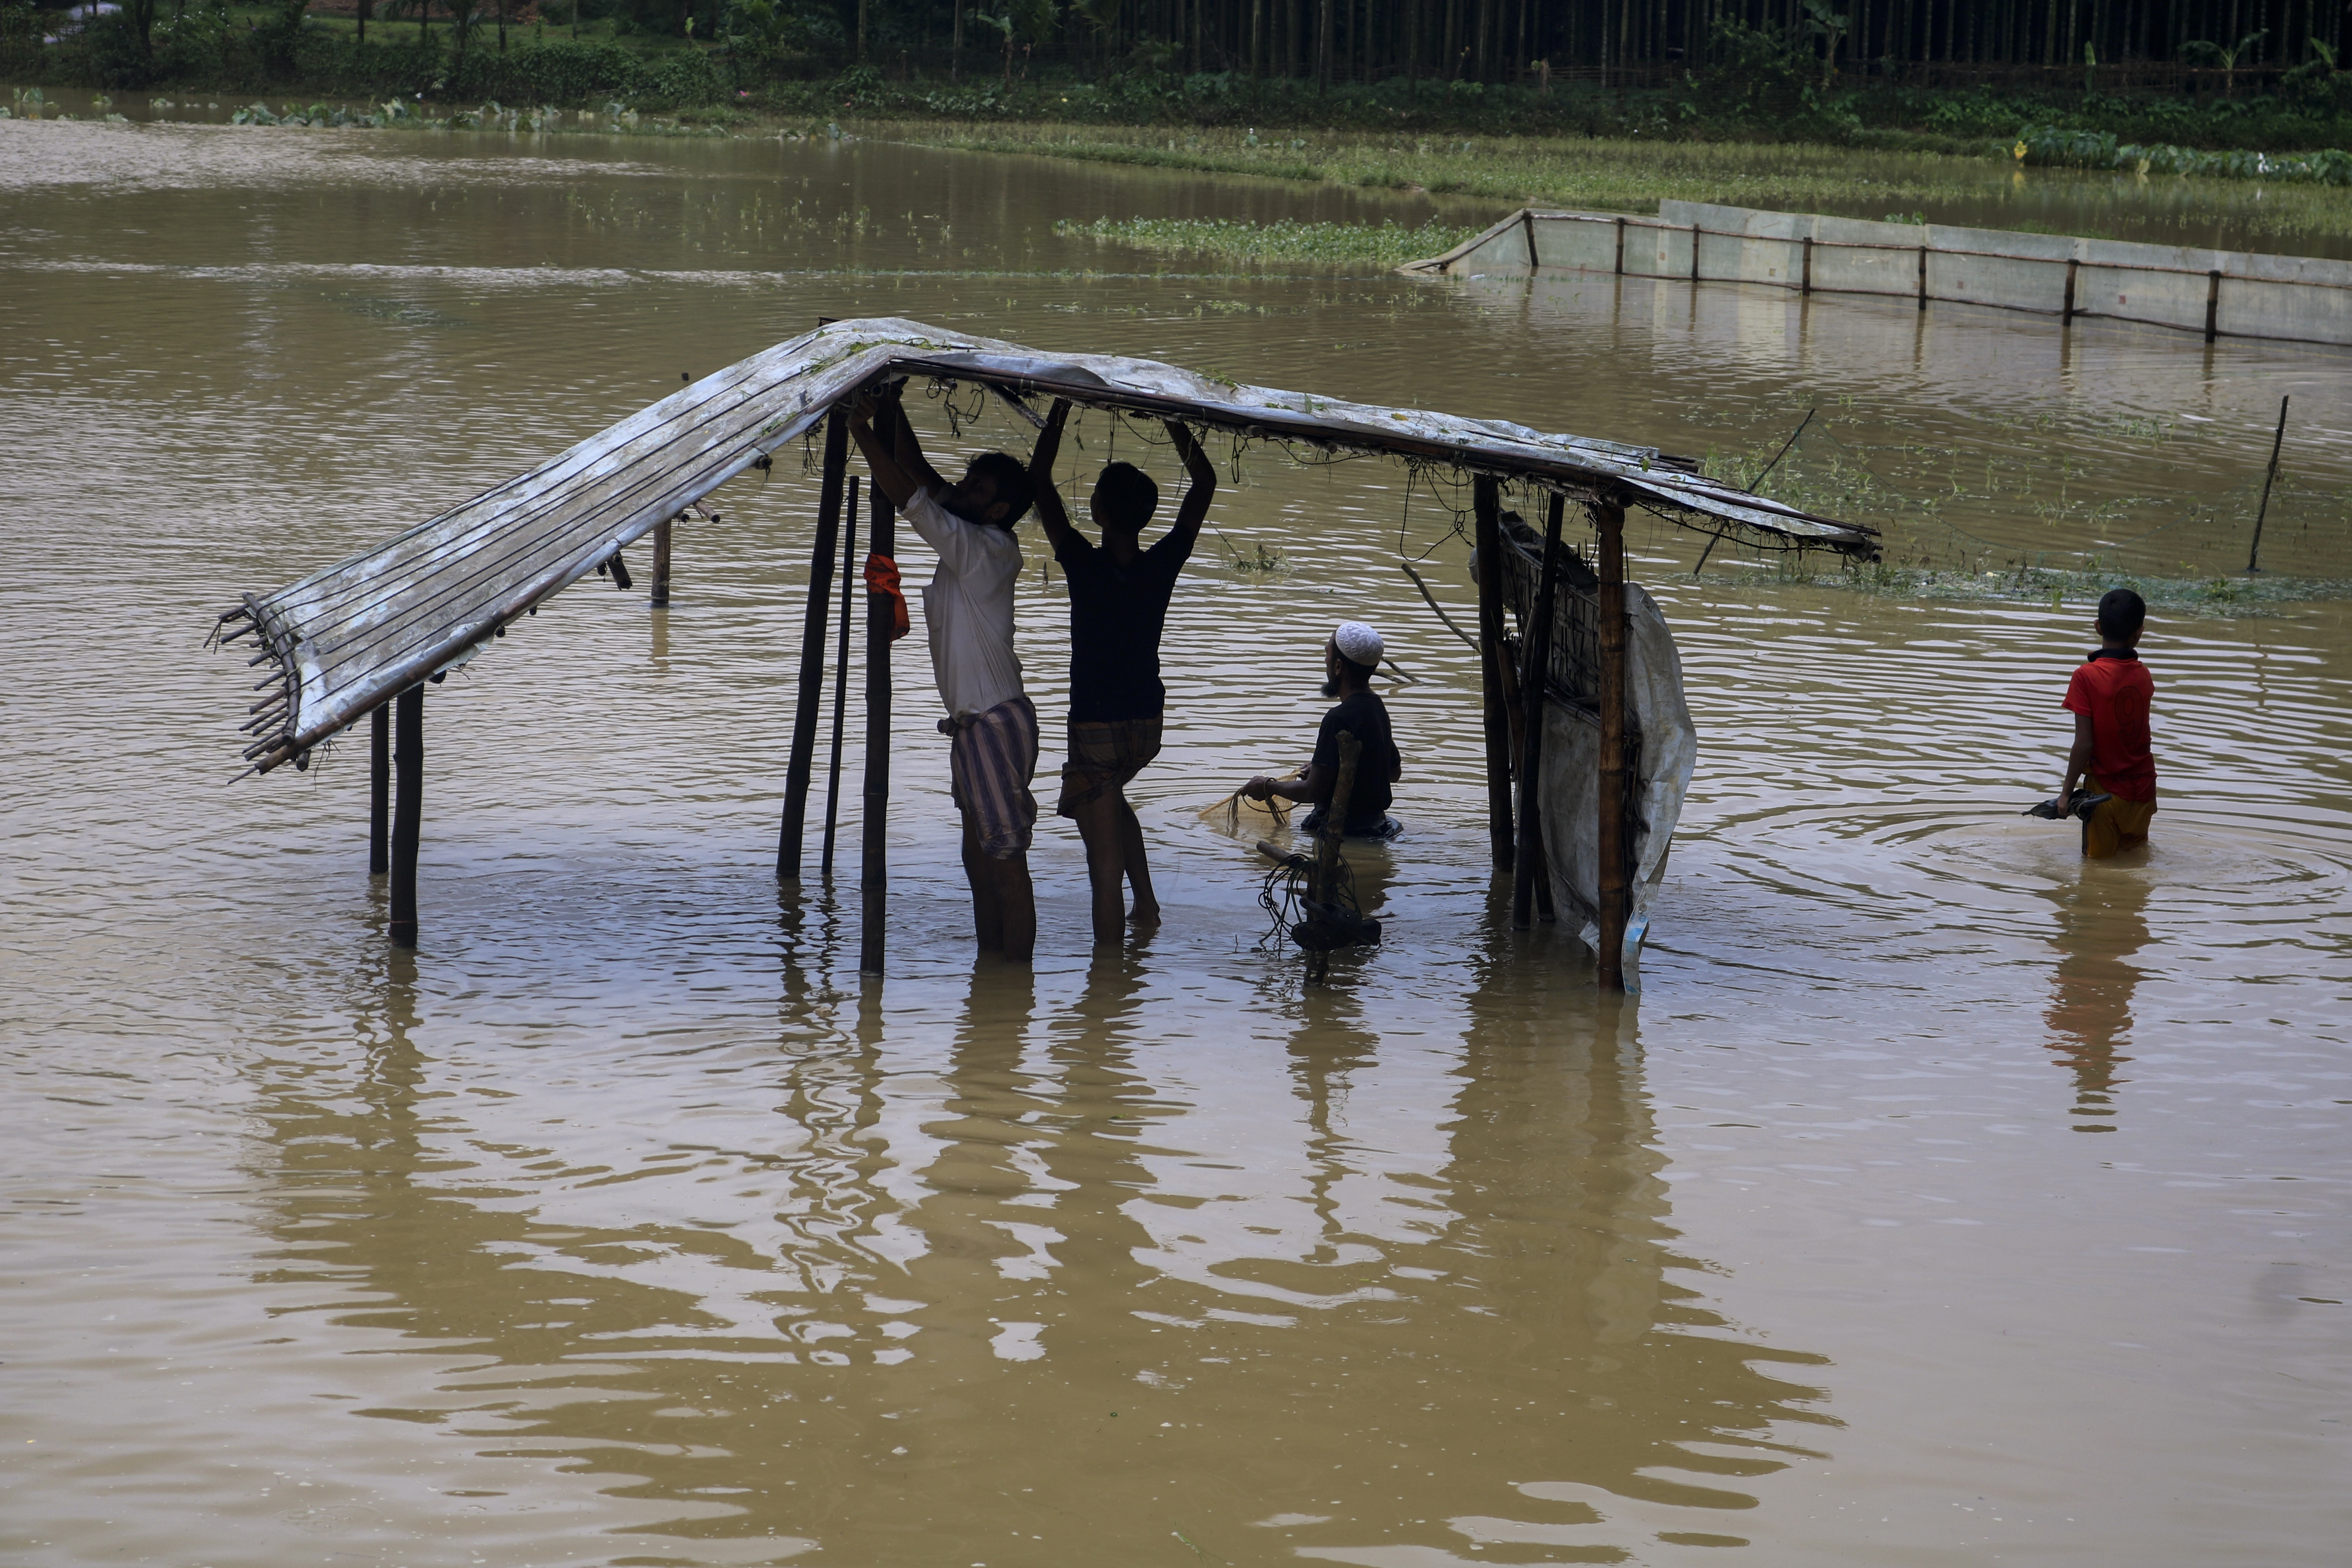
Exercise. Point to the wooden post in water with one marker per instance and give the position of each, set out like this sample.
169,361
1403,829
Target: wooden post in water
881,622
661,563
1529,870
1323,882
380,790
1609,803
408,809
2255,555
812,684
840,679
1488,538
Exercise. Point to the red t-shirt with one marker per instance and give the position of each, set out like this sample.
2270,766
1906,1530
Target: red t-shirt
2115,694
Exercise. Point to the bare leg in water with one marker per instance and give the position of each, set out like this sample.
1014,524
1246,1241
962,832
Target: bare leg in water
1116,862
1138,869
1004,902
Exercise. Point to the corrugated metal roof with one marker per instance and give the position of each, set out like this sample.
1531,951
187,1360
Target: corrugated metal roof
347,639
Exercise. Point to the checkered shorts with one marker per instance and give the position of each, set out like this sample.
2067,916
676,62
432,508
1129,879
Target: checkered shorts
990,763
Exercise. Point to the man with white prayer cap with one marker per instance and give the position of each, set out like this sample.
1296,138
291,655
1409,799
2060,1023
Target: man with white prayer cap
1349,661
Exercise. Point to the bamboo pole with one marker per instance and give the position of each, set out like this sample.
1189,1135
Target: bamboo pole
380,790
812,684
2255,555
881,621
661,563
1609,814
1323,880
1488,503
840,679
408,810
1528,865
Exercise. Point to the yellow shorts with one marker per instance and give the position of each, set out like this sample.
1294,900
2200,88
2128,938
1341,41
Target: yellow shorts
2114,825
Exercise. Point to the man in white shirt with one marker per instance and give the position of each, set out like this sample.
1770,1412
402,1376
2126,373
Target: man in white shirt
967,615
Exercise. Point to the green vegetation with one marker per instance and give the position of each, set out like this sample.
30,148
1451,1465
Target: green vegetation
1327,244
1624,175
1961,77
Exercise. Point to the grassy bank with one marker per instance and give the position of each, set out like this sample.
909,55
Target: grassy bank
1628,174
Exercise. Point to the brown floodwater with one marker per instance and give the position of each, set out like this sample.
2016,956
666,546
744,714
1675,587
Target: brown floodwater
1941,1200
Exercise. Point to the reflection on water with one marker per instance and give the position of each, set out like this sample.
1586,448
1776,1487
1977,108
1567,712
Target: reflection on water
623,1222
2102,923
1032,1275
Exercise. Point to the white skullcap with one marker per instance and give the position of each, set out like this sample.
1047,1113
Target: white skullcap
1358,642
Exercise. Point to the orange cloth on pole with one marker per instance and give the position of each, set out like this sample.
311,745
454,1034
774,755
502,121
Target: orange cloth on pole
882,577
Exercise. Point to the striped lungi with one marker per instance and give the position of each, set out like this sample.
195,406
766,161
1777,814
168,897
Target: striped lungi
989,762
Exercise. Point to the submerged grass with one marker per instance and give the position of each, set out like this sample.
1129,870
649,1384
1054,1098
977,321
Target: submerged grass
1389,244
2219,597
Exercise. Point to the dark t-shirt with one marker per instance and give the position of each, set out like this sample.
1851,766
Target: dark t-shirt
1116,616
1366,717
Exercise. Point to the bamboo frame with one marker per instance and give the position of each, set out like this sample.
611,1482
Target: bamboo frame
874,872
801,762
1528,872
840,684
1487,502
380,790
408,810
1609,803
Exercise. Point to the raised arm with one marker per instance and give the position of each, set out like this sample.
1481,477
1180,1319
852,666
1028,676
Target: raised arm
1041,475
880,455
1203,474
907,450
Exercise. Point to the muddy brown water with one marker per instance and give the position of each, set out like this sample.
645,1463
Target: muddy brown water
1941,1200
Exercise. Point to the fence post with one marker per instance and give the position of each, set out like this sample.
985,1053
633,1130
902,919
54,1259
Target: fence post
407,811
1488,499
380,790
873,865
1534,682
812,684
2254,555
1609,801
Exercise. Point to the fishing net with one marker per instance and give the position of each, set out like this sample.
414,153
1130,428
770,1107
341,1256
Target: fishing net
1318,922
1237,817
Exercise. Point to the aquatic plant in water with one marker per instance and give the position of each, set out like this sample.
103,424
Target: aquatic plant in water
1388,244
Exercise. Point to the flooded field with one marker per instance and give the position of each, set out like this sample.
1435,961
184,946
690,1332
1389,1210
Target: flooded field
1942,1199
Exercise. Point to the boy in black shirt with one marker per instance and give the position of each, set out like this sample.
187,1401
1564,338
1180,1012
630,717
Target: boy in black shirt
1119,605
1349,661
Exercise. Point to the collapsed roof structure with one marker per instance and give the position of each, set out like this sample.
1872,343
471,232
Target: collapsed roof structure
344,642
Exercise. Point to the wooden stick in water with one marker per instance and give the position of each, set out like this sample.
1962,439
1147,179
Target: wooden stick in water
380,790
1534,680
1323,885
2254,555
408,809
881,621
660,592
1609,814
1488,501
811,683
840,680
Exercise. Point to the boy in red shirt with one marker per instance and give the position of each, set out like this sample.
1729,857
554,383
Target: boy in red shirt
2109,698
